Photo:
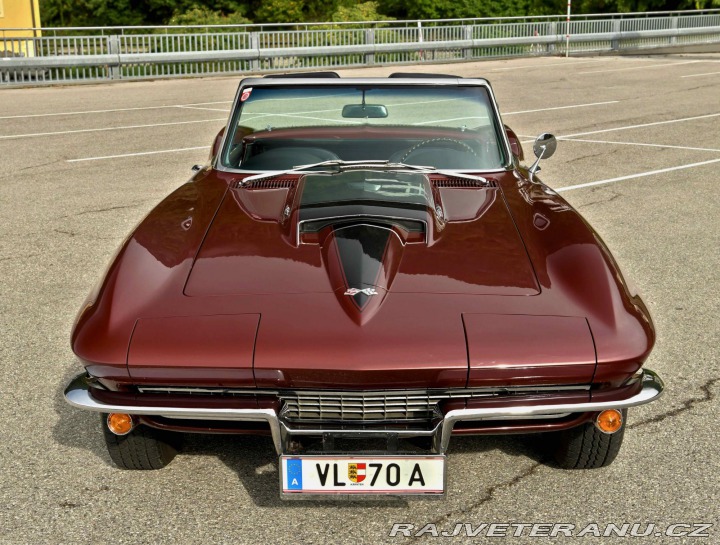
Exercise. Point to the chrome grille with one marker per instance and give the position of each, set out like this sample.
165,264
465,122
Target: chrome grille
364,406
360,406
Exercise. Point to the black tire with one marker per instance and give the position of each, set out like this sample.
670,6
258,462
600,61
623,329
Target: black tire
586,447
143,448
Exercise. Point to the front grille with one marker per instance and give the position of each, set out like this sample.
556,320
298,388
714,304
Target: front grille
393,406
360,406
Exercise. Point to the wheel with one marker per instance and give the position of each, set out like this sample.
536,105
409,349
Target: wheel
586,447
142,448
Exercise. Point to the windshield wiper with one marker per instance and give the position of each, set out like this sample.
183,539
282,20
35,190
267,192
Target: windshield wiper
338,165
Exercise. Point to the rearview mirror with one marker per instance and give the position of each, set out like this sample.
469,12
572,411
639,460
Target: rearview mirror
363,111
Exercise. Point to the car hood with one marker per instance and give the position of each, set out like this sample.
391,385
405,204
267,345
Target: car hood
272,238
243,286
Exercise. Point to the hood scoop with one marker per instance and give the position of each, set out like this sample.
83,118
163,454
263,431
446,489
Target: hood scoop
361,261
353,236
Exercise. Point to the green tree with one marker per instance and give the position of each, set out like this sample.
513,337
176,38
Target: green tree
364,11
130,12
204,12
280,11
202,15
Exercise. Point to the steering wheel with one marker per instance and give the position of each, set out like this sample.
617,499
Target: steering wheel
443,142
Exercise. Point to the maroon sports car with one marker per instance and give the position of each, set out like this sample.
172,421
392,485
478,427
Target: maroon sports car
364,269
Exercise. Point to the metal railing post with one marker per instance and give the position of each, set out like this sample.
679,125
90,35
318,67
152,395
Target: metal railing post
113,43
553,32
615,44
467,34
370,40
255,45
674,25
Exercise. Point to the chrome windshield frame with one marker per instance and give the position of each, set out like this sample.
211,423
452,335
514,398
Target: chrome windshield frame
255,82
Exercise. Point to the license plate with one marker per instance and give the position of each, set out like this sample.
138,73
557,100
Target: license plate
336,475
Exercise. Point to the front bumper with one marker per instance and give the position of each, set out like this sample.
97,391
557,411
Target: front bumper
78,394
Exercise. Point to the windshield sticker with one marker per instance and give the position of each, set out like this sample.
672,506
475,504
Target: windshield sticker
245,94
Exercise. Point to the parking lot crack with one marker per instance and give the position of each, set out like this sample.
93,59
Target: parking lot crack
107,209
488,496
16,171
590,156
17,257
707,395
601,201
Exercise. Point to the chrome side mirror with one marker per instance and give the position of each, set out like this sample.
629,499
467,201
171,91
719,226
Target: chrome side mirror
544,148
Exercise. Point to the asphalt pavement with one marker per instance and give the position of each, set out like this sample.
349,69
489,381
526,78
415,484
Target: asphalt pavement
639,155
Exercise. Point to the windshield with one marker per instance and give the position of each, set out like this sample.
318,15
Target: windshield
448,127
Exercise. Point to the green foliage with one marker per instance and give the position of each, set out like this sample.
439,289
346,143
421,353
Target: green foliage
206,12
364,11
280,11
452,9
133,12
202,15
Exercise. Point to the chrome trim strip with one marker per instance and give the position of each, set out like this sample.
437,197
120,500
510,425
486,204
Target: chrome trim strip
652,388
77,394
440,393
369,432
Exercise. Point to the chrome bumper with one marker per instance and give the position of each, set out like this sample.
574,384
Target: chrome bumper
78,394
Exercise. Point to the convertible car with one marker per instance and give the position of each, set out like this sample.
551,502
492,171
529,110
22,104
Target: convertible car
363,270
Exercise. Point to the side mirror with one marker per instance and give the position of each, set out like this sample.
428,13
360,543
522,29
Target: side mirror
544,148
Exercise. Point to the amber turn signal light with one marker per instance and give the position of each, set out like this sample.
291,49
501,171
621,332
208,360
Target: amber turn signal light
120,424
609,421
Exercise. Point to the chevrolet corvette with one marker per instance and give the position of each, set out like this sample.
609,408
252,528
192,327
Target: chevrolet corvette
364,269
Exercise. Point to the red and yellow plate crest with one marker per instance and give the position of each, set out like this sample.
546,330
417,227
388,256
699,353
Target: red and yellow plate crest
356,472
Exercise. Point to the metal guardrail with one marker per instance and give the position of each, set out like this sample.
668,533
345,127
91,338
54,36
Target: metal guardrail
45,56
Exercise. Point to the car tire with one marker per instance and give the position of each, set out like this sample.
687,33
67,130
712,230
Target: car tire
143,448
586,447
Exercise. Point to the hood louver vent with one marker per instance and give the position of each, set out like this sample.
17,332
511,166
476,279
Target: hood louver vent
270,183
459,183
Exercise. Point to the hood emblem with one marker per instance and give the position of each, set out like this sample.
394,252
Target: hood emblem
355,291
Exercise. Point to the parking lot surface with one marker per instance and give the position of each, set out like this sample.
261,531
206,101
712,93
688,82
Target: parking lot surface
639,156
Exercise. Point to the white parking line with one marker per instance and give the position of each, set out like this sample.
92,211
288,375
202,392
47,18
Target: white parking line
632,176
561,107
539,65
75,131
135,154
449,119
116,110
628,127
698,75
260,115
201,108
639,67
689,148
